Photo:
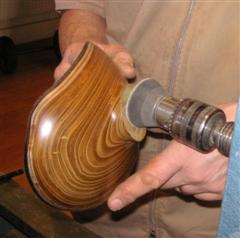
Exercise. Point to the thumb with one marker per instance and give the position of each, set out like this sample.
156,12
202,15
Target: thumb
62,68
68,59
154,175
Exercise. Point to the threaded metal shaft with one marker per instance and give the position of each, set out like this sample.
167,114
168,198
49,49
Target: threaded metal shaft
223,138
191,122
197,124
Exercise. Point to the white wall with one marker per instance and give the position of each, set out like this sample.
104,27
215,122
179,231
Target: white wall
27,20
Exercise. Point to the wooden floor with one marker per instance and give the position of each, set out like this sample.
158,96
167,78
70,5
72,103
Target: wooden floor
18,92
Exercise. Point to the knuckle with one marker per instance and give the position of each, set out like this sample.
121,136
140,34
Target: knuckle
124,57
127,194
119,47
149,180
72,52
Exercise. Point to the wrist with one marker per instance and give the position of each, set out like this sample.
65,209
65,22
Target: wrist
80,26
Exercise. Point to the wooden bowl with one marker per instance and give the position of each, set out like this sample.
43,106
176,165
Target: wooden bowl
79,143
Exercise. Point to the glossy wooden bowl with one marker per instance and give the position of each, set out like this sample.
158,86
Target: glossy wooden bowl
79,142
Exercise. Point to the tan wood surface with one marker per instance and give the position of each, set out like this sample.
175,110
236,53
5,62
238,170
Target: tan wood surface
80,144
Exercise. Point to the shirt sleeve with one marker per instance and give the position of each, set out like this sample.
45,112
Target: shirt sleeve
95,6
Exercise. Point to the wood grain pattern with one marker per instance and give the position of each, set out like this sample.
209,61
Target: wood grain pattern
80,144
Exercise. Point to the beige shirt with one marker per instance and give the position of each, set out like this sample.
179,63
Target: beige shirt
193,49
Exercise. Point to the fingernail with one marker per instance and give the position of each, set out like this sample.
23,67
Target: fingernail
116,204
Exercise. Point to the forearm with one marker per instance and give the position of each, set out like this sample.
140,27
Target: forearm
79,26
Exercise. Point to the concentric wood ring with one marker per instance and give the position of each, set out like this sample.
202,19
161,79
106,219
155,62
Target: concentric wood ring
79,143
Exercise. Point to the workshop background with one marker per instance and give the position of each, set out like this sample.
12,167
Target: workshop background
29,53
27,63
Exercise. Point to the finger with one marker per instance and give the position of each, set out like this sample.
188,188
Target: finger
125,63
61,69
208,188
189,189
111,50
124,58
73,52
68,59
200,196
121,58
209,196
156,173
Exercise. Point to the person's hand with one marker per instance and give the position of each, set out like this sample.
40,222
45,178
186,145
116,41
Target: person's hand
177,167
118,54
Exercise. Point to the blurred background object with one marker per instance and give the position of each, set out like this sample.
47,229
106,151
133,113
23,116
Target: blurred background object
28,50
22,22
